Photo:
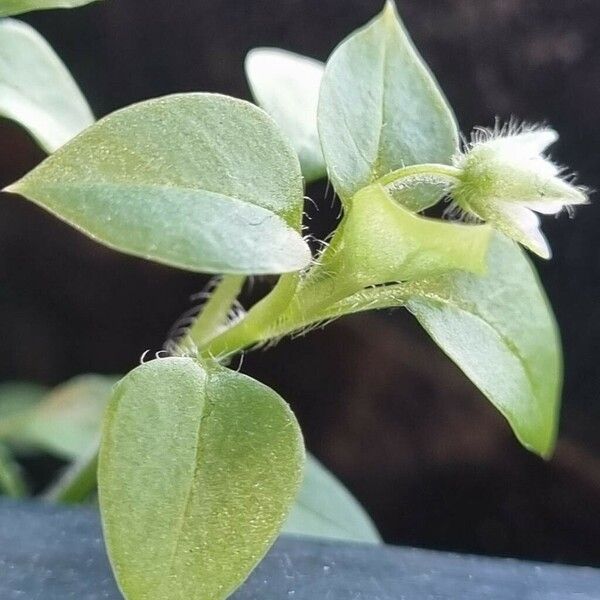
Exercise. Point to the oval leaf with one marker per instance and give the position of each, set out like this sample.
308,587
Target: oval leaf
326,509
16,7
36,89
500,330
381,109
287,86
198,181
198,469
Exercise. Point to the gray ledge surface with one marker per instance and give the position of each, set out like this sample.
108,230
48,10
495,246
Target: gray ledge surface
56,553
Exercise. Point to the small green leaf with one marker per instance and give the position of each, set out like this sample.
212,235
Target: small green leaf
500,330
287,86
66,421
198,181
16,7
326,509
36,89
198,470
381,109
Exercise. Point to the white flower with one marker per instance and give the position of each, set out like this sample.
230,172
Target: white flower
505,178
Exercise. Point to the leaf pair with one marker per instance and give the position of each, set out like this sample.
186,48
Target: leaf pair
376,105
197,181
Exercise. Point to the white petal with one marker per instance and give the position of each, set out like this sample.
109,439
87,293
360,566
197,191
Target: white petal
523,225
520,146
542,167
545,207
538,140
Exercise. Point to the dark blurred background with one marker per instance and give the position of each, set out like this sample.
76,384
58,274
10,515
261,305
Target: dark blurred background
430,459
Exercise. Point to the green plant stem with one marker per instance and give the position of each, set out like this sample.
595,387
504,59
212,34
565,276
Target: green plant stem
77,482
11,480
317,292
446,172
259,324
213,317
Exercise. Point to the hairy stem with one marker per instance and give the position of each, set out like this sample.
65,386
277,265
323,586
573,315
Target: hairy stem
318,294
213,317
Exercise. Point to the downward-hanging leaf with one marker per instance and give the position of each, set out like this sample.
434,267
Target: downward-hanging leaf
326,509
501,332
198,470
15,7
498,328
36,89
198,181
287,86
381,109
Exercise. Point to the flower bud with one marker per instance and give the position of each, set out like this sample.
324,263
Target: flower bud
505,178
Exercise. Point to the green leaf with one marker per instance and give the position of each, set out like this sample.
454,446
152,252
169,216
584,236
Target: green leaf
17,398
15,7
326,509
36,89
287,86
499,329
198,181
381,109
66,421
198,469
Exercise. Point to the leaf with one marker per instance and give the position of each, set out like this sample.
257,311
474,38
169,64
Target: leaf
381,109
16,400
15,7
36,89
499,329
66,421
326,509
198,469
287,86
197,181
501,332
